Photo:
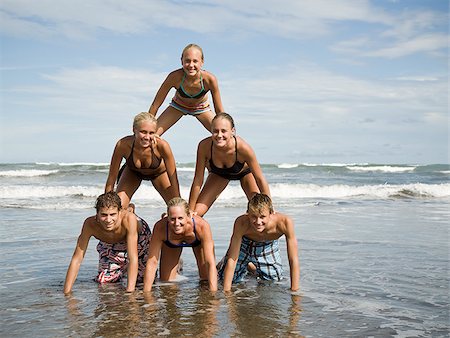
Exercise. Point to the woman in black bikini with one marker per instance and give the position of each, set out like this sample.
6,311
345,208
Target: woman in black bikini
192,84
227,157
145,160
179,229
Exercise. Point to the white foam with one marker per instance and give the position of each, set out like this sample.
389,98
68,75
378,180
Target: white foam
92,164
332,164
36,191
27,173
146,193
384,168
287,165
65,164
347,191
186,169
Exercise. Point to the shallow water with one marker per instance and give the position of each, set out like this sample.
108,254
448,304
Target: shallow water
373,248
374,268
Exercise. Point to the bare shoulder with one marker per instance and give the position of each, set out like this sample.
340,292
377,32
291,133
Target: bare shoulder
201,223
129,220
284,222
89,222
205,144
89,227
242,225
162,144
175,76
159,228
125,142
241,142
243,147
205,141
208,76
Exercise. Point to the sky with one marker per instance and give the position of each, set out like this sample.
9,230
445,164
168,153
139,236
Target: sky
318,81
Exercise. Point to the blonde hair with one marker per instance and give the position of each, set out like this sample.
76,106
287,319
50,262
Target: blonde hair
141,117
192,45
178,201
258,203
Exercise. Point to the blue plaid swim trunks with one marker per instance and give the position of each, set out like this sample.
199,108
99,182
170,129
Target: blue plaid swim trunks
264,255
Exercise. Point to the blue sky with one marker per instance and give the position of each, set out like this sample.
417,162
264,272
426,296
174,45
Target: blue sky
307,81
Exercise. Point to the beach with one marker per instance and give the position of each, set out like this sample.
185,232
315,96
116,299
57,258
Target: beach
373,247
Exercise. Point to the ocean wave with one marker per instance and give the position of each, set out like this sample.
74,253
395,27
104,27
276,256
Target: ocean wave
75,164
192,169
13,193
418,190
333,164
37,191
70,205
287,165
27,173
383,168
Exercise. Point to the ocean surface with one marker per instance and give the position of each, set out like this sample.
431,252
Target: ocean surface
373,247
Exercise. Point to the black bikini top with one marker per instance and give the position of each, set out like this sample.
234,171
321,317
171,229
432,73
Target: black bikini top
233,170
186,95
156,161
195,243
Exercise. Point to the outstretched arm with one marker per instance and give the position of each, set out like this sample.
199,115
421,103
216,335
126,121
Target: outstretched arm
162,93
77,258
114,166
198,176
170,164
250,158
292,251
210,258
215,94
232,255
153,257
132,251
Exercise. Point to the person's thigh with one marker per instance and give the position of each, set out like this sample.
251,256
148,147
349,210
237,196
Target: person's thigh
167,119
127,186
168,264
212,188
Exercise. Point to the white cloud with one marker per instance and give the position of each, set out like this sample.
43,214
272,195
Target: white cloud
423,43
297,97
423,78
79,19
304,90
100,91
436,118
403,34
411,23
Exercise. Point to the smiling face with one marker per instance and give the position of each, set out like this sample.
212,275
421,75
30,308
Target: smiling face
108,218
144,132
177,219
259,219
192,61
222,131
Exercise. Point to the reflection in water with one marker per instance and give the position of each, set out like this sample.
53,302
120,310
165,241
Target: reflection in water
266,310
170,309
177,311
185,309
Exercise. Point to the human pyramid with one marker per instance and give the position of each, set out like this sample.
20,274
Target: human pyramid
127,247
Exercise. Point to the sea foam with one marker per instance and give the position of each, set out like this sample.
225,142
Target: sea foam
384,168
27,173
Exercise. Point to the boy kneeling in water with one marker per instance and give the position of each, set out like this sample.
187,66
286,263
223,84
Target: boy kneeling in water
123,246
254,243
